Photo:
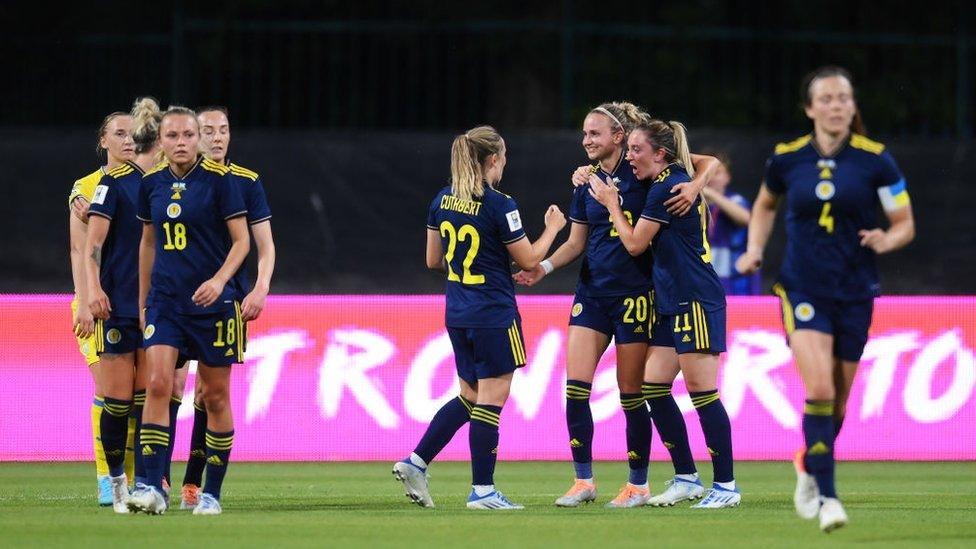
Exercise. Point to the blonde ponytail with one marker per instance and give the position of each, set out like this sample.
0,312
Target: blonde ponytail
681,151
468,154
147,118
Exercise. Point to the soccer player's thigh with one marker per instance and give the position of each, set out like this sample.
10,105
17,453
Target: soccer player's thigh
852,322
661,365
590,328
122,337
631,327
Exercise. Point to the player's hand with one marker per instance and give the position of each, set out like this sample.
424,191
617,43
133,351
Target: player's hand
98,303
604,193
748,262
554,218
208,292
79,207
253,305
681,203
876,239
529,278
83,322
581,176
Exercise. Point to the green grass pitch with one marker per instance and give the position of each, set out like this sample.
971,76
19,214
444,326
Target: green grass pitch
360,505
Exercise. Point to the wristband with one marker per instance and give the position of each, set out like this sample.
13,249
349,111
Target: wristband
547,266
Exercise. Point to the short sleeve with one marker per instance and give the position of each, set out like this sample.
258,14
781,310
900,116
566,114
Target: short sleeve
577,208
890,182
105,198
508,220
230,203
772,176
256,201
654,209
432,212
143,209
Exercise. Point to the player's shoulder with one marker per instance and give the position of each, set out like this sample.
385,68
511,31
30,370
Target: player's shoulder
491,193
155,170
788,148
870,146
91,178
672,175
118,173
241,171
215,167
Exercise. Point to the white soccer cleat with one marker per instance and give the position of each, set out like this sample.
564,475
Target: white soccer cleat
719,498
414,481
832,515
806,497
146,499
120,494
495,501
630,496
677,490
207,505
581,492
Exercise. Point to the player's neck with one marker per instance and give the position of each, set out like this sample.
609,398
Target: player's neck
609,164
828,144
145,161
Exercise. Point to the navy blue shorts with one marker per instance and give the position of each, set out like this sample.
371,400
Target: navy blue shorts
214,340
117,336
481,353
697,331
625,318
847,321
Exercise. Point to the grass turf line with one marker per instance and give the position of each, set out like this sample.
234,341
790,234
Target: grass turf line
360,505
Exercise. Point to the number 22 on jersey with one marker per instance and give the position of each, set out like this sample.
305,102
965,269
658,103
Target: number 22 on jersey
466,232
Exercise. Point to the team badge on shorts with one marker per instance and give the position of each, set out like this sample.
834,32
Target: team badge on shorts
174,210
804,311
825,190
149,331
113,336
577,309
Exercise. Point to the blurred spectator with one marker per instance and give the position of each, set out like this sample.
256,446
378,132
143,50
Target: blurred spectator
728,224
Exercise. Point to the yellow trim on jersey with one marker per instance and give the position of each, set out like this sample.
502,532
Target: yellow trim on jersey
858,141
212,166
788,321
124,169
237,169
792,146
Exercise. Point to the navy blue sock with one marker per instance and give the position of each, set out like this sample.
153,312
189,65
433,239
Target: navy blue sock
483,439
579,421
114,425
198,447
818,430
154,441
838,423
718,432
174,409
138,401
638,435
218,455
445,424
670,426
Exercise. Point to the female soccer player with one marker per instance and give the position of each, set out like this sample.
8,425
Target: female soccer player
612,301
111,261
688,331
194,239
215,135
481,230
113,139
832,180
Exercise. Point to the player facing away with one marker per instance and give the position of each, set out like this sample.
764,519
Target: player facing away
215,137
114,139
112,274
194,239
832,181
688,329
474,232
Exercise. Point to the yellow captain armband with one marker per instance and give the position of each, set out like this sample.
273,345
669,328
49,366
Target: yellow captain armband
894,197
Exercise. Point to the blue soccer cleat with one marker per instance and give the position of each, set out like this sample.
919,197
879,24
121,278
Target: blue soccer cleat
495,501
719,498
207,505
147,499
105,491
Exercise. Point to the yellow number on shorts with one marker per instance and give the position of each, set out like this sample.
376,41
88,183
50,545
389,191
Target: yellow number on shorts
225,337
636,309
175,240
677,323
219,342
826,220
453,237
613,230
707,256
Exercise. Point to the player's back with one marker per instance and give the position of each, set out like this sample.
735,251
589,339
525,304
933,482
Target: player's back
116,199
474,235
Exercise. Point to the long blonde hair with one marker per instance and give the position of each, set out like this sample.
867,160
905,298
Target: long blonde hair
623,115
145,131
672,137
468,154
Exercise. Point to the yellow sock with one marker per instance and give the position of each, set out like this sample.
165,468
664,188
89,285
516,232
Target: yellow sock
130,456
101,466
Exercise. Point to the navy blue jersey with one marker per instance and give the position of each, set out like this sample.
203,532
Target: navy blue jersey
189,216
115,199
828,200
474,233
683,271
258,210
608,269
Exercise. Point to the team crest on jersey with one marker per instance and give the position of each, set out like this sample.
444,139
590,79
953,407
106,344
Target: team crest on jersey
577,309
149,331
178,188
173,210
804,311
825,190
113,336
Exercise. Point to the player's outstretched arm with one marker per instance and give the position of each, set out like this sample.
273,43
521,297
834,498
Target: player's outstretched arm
528,255
564,255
